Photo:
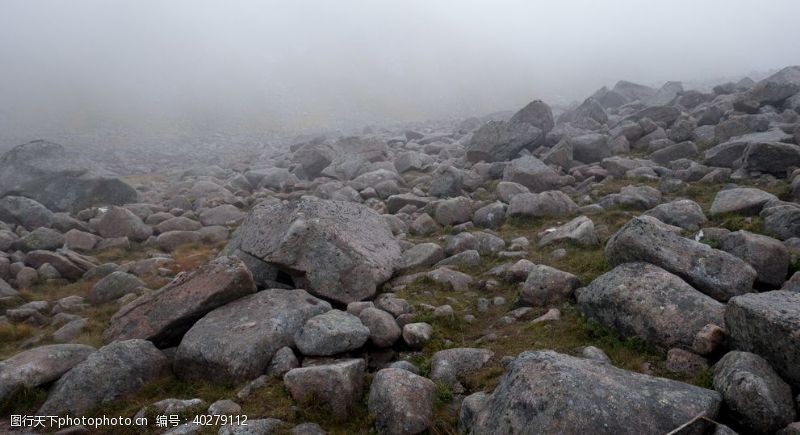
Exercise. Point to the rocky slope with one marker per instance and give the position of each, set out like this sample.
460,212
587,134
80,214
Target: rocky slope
624,266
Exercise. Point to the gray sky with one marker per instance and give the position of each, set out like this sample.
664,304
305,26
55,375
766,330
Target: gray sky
294,65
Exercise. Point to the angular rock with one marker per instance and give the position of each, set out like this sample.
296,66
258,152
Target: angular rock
39,366
60,179
383,329
756,396
450,366
19,210
331,333
766,324
121,222
236,342
579,231
769,257
164,315
548,392
113,287
683,213
533,174
639,299
402,402
337,250
499,141
108,374
421,255
746,201
547,286
546,204
336,387
713,272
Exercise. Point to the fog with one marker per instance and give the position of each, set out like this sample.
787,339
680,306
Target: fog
296,66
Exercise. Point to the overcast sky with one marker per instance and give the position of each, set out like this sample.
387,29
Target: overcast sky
295,64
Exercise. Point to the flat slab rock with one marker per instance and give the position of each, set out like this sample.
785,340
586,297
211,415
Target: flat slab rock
164,315
236,342
39,366
337,250
549,392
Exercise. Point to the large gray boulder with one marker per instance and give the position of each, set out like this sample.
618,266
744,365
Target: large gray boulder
336,250
113,286
771,157
236,342
39,366
164,315
639,299
499,141
402,402
533,174
755,395
536,113
18,210
746,201
61,179
579,231
713,272
766,324
683,213
548,392
331,333
114,371
336,387
121,222
769,257
546,204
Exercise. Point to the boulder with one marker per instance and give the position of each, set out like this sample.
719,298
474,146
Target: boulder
421,255
755,395
335,387
746,201
579,231
41,239
236,342
713,272
113,286
401,402
451,366
591,148
171,240
225,214
546,204
331,333
60,179
383,328
121,222
774,158
336,250
499,141
19,210
453,211
39,366
536,113
640,299
533,174
164,315
766,324
683,213
782,221
110,373
548,392
547,286
769,257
